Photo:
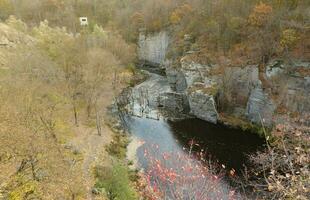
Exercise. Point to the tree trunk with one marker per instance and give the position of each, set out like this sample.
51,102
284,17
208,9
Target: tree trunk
75,115
98,121
88,110
32,163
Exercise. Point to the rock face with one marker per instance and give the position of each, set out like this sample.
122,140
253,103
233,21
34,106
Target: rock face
297,98
274,68
203,106
248,97
292,82
201,101
154,94
260,108
175,102
185,80
193,89
176,79
195,72
153,48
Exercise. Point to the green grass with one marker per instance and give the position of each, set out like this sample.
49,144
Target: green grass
115,182
118,147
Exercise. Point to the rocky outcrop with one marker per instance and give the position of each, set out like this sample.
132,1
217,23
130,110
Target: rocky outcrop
195,72
176,79
274,68
203,105
290,82
154,94
174,102
192,81
153,47
192,85
260,107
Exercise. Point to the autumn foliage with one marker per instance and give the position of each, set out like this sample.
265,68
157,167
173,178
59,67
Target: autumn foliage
181,176
282,171
260,14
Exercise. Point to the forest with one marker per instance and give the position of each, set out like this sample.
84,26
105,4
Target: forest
59,81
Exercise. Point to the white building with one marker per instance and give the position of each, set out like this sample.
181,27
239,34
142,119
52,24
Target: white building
83,21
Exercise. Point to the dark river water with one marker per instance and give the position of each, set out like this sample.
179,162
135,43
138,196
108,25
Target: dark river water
226,148
186,159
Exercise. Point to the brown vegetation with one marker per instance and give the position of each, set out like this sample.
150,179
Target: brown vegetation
282,171
55,76
54,82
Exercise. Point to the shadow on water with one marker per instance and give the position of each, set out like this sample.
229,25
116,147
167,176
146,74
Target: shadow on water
225,145
228,146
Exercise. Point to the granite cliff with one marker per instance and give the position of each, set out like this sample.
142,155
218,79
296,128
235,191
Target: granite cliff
202,90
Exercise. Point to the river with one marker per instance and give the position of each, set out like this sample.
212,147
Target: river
185,158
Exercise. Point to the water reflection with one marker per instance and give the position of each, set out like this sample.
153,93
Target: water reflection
165,150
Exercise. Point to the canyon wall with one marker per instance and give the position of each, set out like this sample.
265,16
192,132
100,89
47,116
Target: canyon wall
153,47
285,87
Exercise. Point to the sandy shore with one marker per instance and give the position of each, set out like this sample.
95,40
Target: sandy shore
132,148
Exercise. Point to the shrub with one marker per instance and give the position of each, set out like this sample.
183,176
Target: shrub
282,171
118,146
17,24
115,181
170,175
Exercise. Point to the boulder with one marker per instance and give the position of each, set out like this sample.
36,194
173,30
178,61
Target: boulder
189,81
155,95
260,107
175,102
176,79
193,72
274,69
203,106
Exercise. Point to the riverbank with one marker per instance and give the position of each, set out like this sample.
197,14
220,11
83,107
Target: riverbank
117,176
143,111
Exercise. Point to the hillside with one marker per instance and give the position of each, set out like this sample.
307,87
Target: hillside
49,140
10,40
67,88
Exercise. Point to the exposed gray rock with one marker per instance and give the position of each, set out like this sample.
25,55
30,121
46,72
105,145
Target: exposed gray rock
184,79
297,100
176,79
153,48
274,68
155,93
242,79
260,107
175,102
307,83
148,92
203,106
238,81
248,97
194,72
